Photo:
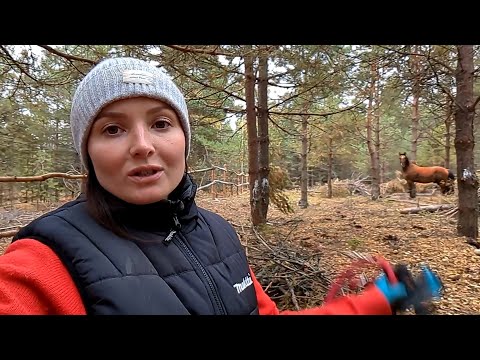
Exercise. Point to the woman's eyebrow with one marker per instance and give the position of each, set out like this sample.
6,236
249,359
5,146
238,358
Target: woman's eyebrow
159,108
116,114
110,114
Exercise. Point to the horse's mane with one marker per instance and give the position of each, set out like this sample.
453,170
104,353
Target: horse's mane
414,162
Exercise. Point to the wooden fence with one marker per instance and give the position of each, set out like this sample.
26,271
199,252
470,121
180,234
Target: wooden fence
14,190
220,181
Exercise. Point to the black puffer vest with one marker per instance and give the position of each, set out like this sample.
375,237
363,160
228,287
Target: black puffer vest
191,261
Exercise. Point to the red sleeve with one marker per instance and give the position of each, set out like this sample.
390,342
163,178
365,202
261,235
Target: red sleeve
370,302
34,281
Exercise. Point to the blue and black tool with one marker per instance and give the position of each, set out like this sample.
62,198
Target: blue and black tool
421,289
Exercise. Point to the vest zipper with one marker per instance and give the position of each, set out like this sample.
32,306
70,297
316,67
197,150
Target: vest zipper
169,238
176,226
192,256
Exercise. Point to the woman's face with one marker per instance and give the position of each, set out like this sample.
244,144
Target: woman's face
137,148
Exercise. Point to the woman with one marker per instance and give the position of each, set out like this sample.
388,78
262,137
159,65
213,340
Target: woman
135,242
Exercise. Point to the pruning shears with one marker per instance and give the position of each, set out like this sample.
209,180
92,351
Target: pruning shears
418,289
419,292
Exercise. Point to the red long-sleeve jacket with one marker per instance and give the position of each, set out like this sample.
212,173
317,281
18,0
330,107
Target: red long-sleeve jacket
33,280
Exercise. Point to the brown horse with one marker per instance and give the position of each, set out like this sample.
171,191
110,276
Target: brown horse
413,173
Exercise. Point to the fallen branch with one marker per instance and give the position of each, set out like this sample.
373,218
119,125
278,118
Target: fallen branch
40,177
8,233
429,208
405,201
451,212
294,298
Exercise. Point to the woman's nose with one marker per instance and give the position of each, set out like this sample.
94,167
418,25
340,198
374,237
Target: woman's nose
141,143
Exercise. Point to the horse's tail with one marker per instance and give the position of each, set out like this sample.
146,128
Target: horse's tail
451,175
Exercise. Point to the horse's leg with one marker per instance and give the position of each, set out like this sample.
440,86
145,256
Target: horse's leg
441,184
446,187
412,189
449,187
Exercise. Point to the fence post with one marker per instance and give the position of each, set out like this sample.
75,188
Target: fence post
224,179
10,195
213,185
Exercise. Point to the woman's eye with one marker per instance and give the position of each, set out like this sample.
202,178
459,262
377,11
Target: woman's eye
112,130
161,124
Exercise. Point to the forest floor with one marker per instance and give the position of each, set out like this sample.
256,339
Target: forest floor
313,246
337,228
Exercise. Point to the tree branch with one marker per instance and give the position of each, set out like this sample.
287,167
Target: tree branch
67,56
187,49
22,70
319,114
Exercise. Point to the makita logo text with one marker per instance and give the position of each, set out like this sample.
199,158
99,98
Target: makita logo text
246,282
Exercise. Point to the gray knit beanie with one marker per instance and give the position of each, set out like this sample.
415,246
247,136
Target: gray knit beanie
120,78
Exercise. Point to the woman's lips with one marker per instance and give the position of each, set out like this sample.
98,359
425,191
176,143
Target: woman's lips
145,174
137,177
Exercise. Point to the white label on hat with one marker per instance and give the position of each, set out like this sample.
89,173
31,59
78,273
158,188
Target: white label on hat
138,77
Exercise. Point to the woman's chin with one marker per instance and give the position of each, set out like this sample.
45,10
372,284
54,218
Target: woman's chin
144,199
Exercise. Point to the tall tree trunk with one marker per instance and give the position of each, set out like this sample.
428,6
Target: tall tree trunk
382,172
467,181
330,168
416,97
263,139
252,140
303,202
242,149
377,178
448,123
372,148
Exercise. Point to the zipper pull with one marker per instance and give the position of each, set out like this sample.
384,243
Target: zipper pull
169,237
176,227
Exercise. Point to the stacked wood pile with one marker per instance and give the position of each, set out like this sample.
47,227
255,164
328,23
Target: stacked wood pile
294,277
291,275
